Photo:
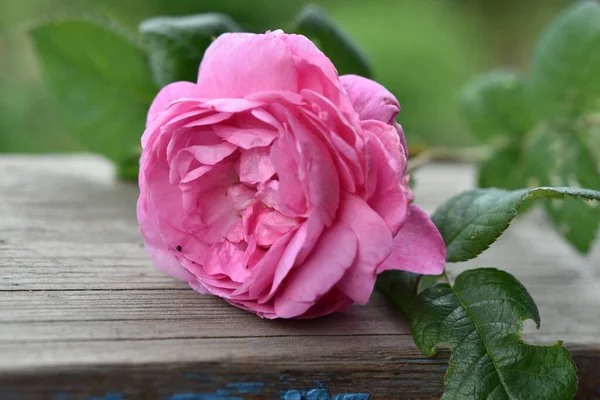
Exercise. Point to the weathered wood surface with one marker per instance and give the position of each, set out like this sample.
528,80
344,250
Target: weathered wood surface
84,314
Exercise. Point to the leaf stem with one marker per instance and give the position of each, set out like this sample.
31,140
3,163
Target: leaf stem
466,154
589,121
446,277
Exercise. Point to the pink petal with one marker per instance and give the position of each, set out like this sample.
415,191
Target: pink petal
303,48
199,287
386,134
315,71
291,195
331,115
180,165
267,118
370,99
298,249
268,193
342,138
182,139
191,175
250,218
269,97
286,262
221,285
228,259
404,147
173,120
332,256
232,105
163,198
374,246
157,249
255,166
241,196
221,174
168,94
166,261
385,192
236,232
271,226
333,301
262,310
247,138
179,139
316,170
238,64
213,218
174,117
418,247
211,154
374,102
262,273
205,119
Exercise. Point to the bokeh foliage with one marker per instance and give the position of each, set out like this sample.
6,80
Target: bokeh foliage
541,124
423,50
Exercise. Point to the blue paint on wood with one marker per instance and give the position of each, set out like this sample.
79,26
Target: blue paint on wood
351,396
291,395
246,387
231,391
320,394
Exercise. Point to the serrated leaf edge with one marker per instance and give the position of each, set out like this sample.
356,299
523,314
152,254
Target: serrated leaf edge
432,350
528,194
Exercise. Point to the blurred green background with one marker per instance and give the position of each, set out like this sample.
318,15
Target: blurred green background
424,51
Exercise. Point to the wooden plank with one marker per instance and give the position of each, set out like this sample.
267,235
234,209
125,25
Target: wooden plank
392,377
145,314
83,313
79,315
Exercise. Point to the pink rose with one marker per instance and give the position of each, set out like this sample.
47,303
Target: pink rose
278,185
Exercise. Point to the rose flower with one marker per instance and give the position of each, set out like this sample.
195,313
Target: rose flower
278,185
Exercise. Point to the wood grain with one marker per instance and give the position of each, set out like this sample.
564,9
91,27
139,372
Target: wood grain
84,314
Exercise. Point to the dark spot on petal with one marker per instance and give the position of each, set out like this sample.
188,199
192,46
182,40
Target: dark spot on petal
179,248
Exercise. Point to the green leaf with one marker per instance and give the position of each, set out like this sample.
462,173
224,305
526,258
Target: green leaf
100,80
564,89
562,159
504,169
345,55
471,221
495,105
402,287
481,319
19,100
176,45
564,79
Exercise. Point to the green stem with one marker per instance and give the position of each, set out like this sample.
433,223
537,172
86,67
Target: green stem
402,287
589,121
446,277
465,155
